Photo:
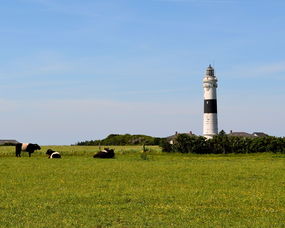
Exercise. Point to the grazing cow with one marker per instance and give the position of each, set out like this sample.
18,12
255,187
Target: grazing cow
53,154
27,147
106,153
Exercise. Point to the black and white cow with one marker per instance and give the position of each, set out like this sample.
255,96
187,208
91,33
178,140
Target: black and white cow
27,147
106,153
53,154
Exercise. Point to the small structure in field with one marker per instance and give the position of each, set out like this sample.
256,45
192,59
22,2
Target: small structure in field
8,142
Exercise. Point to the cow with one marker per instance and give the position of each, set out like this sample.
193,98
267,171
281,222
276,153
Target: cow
53,154
26,147
106,153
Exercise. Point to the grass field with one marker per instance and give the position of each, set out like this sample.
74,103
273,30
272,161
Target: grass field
164,190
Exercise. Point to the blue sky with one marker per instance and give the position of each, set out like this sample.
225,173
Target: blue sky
74,70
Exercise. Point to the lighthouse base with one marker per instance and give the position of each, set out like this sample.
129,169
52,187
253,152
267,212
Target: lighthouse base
210,126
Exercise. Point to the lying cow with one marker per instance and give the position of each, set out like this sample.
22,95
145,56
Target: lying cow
106,153
26,147
53,154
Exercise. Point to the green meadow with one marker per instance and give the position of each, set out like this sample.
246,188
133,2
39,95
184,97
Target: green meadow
157,190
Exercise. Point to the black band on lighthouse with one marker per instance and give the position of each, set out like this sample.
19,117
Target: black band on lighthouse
210,106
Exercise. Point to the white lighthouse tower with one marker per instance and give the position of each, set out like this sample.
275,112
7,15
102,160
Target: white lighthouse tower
210,125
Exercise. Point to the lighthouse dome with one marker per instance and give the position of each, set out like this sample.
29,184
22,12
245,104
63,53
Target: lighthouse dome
210,71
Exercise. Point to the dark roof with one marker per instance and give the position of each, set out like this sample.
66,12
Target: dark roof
241,134
245,134
176,134
8,141
260,134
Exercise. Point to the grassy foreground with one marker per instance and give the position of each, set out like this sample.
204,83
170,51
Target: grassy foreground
166,190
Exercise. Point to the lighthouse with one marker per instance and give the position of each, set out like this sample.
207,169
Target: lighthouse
210,124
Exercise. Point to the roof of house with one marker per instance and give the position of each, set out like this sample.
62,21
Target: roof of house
176,134
245,134
241,134
260,134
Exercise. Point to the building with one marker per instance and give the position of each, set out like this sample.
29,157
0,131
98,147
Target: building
171,139
247,135
8,142
210,122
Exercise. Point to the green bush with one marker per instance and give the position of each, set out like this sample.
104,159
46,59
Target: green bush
223,144
121,140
